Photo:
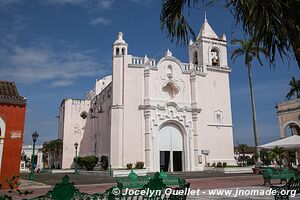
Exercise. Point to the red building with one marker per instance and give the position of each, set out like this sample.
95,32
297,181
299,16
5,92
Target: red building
12,118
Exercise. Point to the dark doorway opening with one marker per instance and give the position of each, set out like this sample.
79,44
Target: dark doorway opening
177,161
164,160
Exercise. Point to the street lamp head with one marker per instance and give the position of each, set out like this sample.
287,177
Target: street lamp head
76,145
35,135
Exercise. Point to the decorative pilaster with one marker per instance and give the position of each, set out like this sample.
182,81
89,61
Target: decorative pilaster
147,139
147,114
194,120
146,89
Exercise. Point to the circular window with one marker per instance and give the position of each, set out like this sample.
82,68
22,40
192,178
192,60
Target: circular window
83,115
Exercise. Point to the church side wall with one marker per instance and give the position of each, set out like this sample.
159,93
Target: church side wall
101,128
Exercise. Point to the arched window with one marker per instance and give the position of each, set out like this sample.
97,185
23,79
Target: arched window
169,71
117,51
123,51
215,60
195,58
292,129
218,116
2,136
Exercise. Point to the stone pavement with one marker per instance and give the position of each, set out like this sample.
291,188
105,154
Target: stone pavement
209,195
203,184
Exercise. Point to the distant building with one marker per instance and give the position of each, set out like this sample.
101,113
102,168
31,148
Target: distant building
26,157
288,113
12,118
171,115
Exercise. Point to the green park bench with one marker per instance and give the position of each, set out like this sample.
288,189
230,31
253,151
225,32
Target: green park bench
292,185
170,180
66,190
272,173
132,181
135,181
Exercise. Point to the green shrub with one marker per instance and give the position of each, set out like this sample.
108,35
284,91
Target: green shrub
208,164
129,166
224,164
139,165
219,164
104,162
213,164
89,162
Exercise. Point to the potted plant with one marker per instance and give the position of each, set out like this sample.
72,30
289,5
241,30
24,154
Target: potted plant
255,169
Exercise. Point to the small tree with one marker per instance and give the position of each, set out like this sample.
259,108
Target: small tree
266,157
294,89
52,152
242,148
278,154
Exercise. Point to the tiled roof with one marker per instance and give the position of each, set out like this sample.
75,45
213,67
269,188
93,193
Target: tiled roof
9,93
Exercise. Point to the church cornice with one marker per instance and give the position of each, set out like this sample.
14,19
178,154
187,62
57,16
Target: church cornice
170,104
218,69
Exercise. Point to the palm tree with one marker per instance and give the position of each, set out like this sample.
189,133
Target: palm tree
52,151
274,23
278,154
294,90
242,148
250,50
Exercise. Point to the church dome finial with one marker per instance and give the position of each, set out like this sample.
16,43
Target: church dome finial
168,53
120,39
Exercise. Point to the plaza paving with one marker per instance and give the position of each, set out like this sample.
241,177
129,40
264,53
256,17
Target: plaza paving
88,184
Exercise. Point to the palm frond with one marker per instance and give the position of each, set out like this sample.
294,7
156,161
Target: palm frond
173,22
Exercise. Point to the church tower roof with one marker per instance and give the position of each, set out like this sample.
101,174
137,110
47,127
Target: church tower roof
206,30
120,39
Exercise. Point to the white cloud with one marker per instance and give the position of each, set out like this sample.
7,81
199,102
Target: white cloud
105,4
39,63
100,21
62,83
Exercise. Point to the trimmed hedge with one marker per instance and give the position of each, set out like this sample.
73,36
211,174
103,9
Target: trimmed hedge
89,162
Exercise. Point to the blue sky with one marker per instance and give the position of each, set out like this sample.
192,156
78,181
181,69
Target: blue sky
56,49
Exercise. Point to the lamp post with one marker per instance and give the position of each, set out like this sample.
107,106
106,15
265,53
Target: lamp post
35,135
76,147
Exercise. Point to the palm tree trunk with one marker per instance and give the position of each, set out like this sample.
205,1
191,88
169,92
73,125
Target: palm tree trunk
255,132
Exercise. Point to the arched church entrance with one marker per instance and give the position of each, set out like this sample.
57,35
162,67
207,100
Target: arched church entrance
171,148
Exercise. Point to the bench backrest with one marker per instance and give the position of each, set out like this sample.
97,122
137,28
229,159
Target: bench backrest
294,184
132,181
135,181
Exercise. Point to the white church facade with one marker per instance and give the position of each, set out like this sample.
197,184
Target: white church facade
171,115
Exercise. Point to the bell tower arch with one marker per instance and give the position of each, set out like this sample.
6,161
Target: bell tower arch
209,49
